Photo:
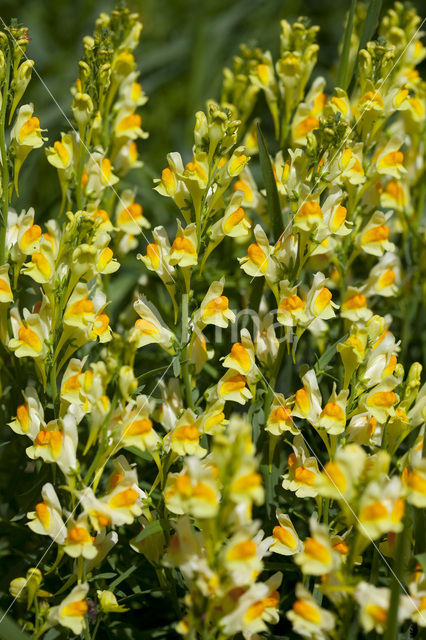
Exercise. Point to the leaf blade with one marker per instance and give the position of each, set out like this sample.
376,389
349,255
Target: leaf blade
272,196
345,72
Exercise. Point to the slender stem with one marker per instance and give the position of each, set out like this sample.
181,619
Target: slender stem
4,165
274,376
184,359
53,382
268,451
399,565
95,630
374,573
80,168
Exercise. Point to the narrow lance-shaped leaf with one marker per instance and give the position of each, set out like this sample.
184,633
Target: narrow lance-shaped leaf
272,196
9,630
373,13
345,72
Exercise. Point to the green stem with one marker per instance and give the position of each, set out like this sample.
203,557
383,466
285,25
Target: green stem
95,630
374,573
80,168
184,356
268,449
5,166
53,382
274,376
399,565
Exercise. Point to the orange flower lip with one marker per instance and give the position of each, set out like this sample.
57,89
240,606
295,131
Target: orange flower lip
358,301
184,244
284,536
291,304
258,257
242,551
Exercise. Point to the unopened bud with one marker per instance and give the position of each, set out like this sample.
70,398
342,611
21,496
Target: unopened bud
123,64
82,108
23,77
104,74
83,71
2,65
127,382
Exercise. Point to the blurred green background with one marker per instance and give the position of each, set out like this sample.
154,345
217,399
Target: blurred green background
185,44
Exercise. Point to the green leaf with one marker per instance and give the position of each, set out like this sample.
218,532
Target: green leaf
123,576
328,355
9,630
373,13
151,528
344,74
272,196
421,557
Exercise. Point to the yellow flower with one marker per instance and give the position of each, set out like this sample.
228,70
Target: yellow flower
307,617
185,437
241,358
183,251
26,135
29,334
286,542
259,261
414,480
354,305
291,308
61,155
308,399
385,276
319,302
149,329
333,415
389,160
374,237
129,214
340,476
381,508
242,555
214,308
29,416
72,610
78,541
280,418
303,471
108,602
46,520
374,605
6,294
128,126
318,556
232,386
194,490
350,164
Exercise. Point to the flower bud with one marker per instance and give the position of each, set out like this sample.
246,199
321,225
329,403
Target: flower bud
108,602
122,66
399,371
18,589
413,384
104,75
82,108
34,579
88,43
2,65
127,382
83,71
23,76
365,63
